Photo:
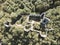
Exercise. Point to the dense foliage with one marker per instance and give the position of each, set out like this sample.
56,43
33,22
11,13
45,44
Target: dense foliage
10,10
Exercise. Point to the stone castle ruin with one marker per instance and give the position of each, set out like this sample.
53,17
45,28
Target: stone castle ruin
31,19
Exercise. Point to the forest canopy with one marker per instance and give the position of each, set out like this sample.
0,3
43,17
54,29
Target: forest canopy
11,12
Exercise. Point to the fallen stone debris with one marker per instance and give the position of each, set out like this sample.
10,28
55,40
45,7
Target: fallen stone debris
44,21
